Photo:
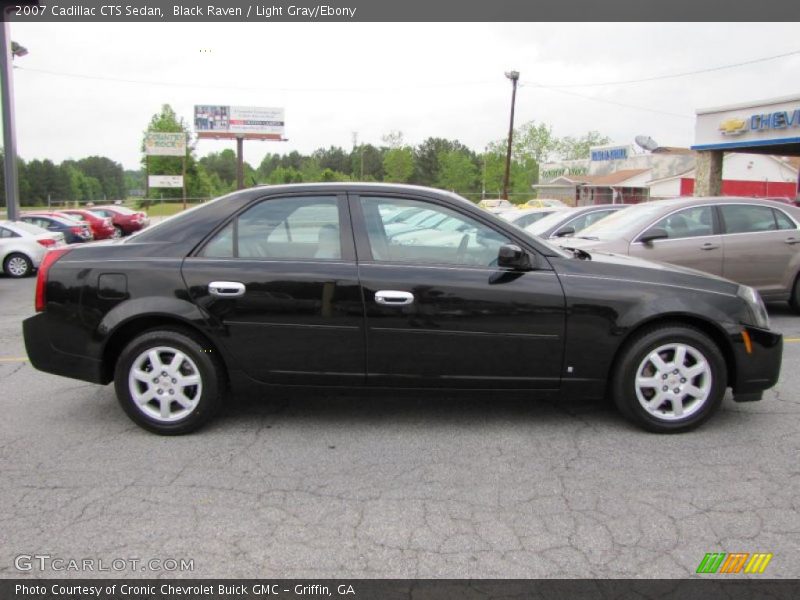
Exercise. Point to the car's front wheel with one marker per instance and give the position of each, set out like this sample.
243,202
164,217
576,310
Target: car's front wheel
168,381
17,265
669,378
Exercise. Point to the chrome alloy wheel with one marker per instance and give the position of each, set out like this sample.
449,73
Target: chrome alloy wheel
17,266
165,384
673,381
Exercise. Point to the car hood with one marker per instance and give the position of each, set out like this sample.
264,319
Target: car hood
626,267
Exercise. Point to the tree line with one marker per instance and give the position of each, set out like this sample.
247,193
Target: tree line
437,162
94,178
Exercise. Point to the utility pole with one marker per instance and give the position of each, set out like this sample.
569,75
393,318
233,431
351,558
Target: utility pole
239,162
514,77
8,50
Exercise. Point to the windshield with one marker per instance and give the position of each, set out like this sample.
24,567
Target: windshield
27,227
548,221
624,223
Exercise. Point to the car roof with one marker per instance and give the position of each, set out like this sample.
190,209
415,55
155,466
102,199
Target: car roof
693,200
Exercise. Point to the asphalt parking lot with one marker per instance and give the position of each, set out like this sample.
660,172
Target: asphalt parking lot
442,486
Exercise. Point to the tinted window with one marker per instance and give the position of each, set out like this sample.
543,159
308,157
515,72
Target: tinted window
288,228
689,222
747,218
7,233
444,237
784,222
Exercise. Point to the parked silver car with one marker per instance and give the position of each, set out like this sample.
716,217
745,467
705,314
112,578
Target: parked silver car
22,247
572,220
523,217
750,241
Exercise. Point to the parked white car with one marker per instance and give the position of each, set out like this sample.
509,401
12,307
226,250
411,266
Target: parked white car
22,247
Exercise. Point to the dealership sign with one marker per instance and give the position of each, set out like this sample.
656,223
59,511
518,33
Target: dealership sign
238,120
770,123
157,143
165,181
601,153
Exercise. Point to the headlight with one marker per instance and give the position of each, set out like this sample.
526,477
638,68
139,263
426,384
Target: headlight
758,312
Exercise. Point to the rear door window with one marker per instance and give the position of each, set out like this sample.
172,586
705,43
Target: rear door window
748,218
283,228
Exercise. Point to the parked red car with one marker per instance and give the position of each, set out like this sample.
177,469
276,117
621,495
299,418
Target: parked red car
125,220
102,227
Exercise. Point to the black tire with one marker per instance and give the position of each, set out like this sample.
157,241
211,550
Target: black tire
794,299
661,417
205,399
17,265
118,233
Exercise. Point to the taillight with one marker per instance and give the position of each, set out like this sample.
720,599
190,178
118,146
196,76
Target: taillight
47,242
41,280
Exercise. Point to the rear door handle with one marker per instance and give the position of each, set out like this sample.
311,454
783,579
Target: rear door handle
394,298
709,246
226,289
791,241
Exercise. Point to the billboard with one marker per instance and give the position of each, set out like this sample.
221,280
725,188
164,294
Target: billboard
157,143
238,121
165,181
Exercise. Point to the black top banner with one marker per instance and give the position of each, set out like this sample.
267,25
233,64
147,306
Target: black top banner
148,11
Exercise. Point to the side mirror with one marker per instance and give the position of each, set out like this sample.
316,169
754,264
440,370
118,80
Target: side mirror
655,233
511,256
564,232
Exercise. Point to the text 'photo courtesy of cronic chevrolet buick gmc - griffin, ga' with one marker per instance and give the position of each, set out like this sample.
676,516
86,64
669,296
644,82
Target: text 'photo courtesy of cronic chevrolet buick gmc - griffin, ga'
387,287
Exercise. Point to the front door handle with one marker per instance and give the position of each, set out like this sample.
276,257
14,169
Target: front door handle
226,289
394,298
709,246
791,241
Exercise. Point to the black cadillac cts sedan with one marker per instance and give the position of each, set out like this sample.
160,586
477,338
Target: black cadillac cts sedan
387,286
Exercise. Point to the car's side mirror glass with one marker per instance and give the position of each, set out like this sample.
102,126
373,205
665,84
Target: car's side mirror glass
565,232
511,256
652,234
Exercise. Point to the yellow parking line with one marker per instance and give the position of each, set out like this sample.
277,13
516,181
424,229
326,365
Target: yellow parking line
14,359
790,340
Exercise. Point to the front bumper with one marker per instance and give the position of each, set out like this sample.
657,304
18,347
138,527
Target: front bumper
759,369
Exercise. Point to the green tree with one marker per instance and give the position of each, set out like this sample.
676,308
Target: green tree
367,163
457,171
110,174
167,121
570,148
426,158
398,165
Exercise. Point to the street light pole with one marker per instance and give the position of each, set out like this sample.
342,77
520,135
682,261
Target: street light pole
514,77
8,50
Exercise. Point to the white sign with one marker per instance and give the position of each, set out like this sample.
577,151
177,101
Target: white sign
770,123
165,181
239,119
157,143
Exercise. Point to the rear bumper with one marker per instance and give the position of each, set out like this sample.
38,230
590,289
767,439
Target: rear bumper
759,369
45,357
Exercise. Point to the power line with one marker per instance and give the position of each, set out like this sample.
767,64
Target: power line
245,88
672,75
603,100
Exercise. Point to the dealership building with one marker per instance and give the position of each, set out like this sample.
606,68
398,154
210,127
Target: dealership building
740,150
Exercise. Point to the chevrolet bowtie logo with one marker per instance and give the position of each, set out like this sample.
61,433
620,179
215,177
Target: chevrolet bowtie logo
733,126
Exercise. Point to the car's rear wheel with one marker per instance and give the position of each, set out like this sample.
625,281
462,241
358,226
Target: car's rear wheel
169,382
17,265
117,232
669,378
